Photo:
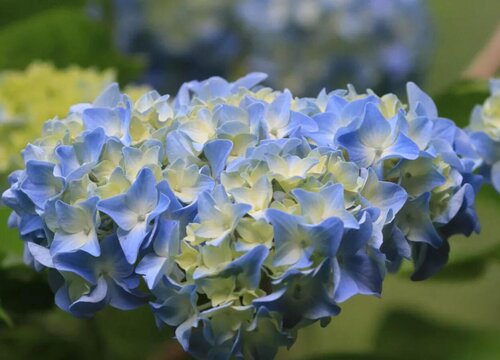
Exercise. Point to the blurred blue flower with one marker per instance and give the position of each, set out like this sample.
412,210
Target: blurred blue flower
304,46
484,131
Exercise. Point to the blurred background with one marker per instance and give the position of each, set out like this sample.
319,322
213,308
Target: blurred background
54,53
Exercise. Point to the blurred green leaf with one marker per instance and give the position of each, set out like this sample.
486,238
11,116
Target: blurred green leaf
352,357
4,317
11,247
468,268
406,335
65,36
13,10
459,99
131,334
22,290
54,335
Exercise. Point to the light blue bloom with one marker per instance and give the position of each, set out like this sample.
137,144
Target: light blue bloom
328,202
107,279
484,132
134,211
39,183
377,139
115,122
75,228
248,213
298,242
302,297
218,216
263,337
361,266
415,222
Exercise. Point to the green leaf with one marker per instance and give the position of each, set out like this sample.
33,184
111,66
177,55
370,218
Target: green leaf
407,335
5,318
11,247
402,334
14,10
54,335
459,99
65,36
24,291
131,334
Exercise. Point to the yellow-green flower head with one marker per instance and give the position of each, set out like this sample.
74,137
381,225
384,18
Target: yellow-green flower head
484,130
41,92
486,117
247,213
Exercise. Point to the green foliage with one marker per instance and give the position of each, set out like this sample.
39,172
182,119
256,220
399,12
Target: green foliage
23,291
50,336
5,318
13,10
64,36
57,335
459,99
11,248
408,335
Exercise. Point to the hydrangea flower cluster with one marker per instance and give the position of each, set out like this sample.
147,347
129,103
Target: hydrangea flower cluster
240,213
303,45
484,131
376,44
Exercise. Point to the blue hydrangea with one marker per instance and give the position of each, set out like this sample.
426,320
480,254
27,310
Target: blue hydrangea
302,45
484,132
239,213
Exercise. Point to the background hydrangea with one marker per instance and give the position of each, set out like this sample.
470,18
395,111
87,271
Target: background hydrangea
484,131
303,45
28,99
247,213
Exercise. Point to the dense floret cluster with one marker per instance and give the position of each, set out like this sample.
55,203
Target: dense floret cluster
240,213
484,131
304,44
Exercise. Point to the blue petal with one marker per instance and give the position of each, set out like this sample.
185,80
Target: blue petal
40,184
375,129
388,197
216,152
361,274
152,268
142,196
122,298
94,301
248,81
495,176
355,239
40,254
403,147
286,230
78,262
357,151
117,208
415,222
420,102
109,97
326,236
132,240
278,112
248,267
429,260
